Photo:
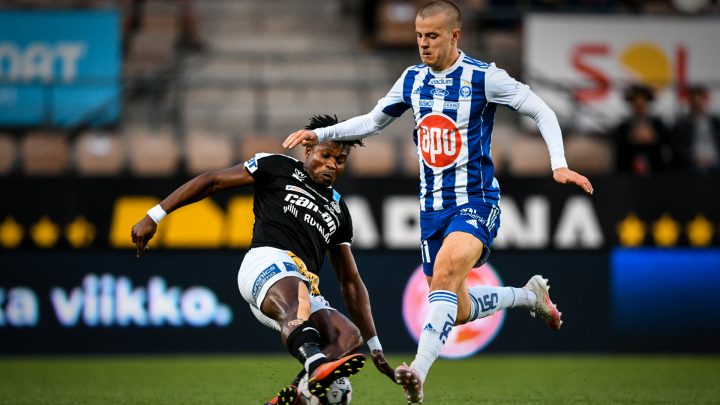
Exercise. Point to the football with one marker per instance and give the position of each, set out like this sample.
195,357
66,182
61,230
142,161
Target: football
340,393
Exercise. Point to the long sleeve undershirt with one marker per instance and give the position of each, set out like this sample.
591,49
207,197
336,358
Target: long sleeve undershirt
500,88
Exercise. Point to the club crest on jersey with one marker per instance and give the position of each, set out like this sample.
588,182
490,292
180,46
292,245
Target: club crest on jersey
300,176
439,140
335,206
465,91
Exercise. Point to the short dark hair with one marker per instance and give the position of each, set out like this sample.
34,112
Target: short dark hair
454,18
325,120
639,90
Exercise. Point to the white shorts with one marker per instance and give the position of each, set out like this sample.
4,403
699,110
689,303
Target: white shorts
260,269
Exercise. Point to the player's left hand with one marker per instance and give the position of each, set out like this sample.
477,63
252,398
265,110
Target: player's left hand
304,137
381,363
563,175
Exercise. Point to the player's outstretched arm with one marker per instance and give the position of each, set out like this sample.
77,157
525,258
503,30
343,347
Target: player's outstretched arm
194,190
357,301
563,175
355,128
304,137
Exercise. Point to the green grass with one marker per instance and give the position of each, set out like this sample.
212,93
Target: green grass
487,379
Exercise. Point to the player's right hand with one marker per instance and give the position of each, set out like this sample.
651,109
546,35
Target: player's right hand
141,234
304,137
381,363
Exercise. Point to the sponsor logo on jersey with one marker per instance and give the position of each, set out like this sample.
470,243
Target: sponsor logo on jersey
440,92
327,218
417,90
298,190
439,140
448,81
472,222
291,209
426,103
299,175
317,225
447,105
251,165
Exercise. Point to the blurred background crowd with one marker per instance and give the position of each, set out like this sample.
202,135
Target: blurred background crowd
206,84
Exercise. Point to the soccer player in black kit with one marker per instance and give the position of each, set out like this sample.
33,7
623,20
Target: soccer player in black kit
298,217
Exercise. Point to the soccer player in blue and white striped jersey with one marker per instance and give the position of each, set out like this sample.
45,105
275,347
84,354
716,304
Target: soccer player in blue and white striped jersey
453,98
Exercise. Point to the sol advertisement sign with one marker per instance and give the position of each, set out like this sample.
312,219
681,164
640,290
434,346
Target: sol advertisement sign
464,340
581,64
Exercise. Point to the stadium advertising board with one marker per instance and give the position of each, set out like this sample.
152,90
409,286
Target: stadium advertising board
592,58
70,280
95,302
59,68
536,214
665,299
67,301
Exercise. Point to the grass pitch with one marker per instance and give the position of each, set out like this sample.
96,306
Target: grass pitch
487,379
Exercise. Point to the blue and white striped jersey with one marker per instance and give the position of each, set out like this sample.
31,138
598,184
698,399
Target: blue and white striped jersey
454,112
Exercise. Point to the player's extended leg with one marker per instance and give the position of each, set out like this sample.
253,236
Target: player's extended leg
485,300
458,253
288,302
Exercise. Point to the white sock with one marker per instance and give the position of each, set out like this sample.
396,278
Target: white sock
438,324
486,300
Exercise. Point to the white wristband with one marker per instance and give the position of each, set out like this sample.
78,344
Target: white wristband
374,343
156,213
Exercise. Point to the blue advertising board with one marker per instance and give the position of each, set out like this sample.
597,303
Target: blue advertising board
666,299
59,68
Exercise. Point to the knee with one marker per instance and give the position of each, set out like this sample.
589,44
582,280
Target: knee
446,276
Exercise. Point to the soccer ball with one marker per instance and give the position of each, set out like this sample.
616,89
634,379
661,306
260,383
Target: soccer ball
340,393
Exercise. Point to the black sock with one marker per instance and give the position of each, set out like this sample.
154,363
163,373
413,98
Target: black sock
296,381
304,343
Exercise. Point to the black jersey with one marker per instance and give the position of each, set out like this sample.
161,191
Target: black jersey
294,213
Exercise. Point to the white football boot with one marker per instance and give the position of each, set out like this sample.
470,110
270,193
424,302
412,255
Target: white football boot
411,382
544,307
